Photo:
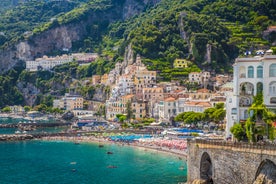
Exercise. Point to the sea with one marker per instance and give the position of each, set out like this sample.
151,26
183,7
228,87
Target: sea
62,162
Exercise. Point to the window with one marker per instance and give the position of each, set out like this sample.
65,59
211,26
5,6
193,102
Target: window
273,100
259,87
272,70
245,114
259,72
250,72
272,88
234,111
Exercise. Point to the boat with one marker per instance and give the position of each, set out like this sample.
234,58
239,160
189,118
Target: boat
111,166
17,132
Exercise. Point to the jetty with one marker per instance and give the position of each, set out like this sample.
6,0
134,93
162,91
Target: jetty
38,124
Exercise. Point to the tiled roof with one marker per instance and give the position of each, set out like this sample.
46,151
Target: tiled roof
169,99
203,90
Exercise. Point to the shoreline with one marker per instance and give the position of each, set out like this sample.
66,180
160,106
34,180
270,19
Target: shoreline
182,155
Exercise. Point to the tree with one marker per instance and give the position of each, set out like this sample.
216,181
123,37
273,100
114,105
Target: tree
129,111
41,108
216,113
238,131
27,108
6,109
121,117
259,122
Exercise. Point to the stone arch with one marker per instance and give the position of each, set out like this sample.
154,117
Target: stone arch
266,172
246,88
206,168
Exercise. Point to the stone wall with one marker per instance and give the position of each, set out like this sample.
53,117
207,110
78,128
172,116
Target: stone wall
231,162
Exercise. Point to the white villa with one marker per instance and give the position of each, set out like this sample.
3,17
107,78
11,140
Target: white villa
251,75
47,63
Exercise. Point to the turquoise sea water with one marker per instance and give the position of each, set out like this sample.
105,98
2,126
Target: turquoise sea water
47,162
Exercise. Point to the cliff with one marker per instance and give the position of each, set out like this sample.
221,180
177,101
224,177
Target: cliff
62,37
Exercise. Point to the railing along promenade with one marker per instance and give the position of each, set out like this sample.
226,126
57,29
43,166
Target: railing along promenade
259,147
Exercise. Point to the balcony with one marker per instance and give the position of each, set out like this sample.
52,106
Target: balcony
245,101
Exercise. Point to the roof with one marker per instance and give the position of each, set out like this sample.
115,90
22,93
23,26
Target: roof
204,104
272,27
203,90
178,91
169,99
128,96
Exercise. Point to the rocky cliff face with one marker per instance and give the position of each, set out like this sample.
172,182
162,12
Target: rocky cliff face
63,36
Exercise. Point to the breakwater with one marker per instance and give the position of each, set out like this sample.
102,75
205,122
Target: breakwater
22,137
16,137
16,125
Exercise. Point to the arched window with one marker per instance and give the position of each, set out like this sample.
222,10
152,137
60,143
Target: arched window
259,87
272,88
272,70
259,72
250,72
242,72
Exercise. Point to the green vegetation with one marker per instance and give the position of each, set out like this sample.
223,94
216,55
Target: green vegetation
238,131
6,109
9,93
19,21
211,34
214,114
258,124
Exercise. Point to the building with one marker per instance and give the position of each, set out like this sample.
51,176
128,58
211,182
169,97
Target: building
69,102
181,63
201,94
47,63
126,84
104,79
85,57
96,79
153,94
17,109
144,79
138,109
113,108
167,108
196,106
201,78
251,76
221,80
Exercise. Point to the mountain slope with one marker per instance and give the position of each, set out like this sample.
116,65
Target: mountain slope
160,31
60,33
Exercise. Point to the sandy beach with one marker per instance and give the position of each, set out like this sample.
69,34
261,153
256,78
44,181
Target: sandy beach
143,145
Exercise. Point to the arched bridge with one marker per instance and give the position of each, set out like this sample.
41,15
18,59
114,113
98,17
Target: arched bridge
223,162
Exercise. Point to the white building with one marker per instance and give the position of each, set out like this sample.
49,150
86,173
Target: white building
167,108
47,63
126,84
201,78
251,76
